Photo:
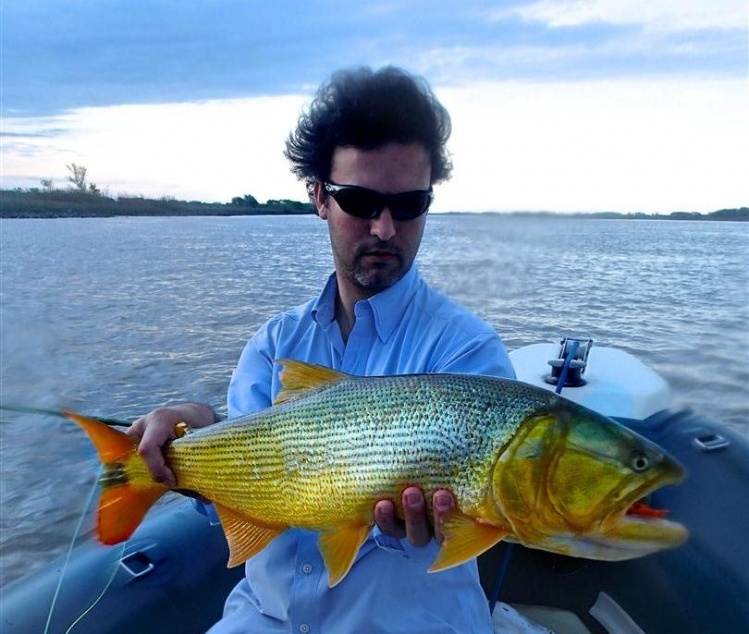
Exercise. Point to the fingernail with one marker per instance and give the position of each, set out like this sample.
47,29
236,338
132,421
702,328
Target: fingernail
414,500
443,502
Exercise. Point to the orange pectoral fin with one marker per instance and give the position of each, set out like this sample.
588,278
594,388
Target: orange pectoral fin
339,549
245,538
465,538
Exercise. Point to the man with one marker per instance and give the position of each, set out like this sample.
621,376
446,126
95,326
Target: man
369,148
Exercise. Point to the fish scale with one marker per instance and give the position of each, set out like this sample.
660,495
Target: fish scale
521,462
357,436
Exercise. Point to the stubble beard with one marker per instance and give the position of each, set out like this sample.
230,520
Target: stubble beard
374,279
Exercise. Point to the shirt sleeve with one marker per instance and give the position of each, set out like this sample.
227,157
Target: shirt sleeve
483,354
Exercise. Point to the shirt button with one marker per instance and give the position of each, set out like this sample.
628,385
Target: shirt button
307,569
304,628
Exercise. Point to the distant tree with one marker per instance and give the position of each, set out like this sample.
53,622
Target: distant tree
77,176
246,201
47,185
289,205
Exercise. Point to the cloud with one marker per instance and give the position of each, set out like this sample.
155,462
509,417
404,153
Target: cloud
209,151
59,55
624,145
661,15
567,105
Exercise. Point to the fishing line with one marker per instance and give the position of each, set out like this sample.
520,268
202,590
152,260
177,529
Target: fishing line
24,409
71,547
107,585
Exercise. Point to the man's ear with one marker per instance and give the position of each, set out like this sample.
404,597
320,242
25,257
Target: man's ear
320,200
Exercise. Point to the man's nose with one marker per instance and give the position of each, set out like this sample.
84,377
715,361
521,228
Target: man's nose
383,226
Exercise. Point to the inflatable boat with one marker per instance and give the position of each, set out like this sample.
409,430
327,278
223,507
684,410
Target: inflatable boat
171,576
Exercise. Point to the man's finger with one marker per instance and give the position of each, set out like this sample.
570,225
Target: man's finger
386,521
418,531
151,449
442,503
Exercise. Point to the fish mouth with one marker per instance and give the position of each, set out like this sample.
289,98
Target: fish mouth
637,535
637,531
632,528
637,528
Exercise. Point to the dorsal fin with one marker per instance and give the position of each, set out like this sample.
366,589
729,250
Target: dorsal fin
298,377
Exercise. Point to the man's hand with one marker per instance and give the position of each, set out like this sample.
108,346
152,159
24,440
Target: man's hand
416,526
157,428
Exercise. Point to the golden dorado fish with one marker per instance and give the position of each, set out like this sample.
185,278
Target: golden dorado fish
522,463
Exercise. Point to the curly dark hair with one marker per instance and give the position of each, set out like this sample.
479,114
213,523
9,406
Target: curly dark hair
366,109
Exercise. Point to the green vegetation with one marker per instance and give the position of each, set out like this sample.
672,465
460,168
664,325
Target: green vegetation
89,202
738,214
85,199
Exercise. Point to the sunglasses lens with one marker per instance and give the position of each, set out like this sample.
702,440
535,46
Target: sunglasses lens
359,202
409,205
368,204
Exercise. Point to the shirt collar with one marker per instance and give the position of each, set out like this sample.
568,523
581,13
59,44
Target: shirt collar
390,305
323,309
387,306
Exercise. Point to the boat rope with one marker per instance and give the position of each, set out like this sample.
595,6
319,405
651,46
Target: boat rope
566,366
505,561
24,409
500,578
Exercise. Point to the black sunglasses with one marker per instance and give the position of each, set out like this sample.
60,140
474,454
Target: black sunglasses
368,204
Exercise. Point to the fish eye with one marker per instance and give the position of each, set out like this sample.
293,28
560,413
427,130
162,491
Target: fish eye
639,462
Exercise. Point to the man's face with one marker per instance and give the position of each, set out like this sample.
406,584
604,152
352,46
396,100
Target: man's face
372,255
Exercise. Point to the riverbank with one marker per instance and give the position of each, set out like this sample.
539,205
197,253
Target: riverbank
77,204
82,204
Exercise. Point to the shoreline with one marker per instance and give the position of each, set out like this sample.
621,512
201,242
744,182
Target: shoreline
84,204
742,215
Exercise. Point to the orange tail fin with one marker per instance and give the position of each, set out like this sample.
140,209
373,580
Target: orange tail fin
127,491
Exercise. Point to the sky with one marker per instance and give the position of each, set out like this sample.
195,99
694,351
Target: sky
556,105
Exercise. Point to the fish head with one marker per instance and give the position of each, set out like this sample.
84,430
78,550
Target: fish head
571,480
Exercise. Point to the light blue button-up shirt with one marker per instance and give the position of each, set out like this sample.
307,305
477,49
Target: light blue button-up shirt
408,328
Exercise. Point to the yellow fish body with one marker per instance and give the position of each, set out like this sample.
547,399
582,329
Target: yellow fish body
522,463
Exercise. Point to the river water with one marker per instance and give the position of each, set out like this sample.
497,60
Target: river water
115,316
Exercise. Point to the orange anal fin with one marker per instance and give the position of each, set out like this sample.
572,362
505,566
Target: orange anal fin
465,538
122,508
245,537
339,549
